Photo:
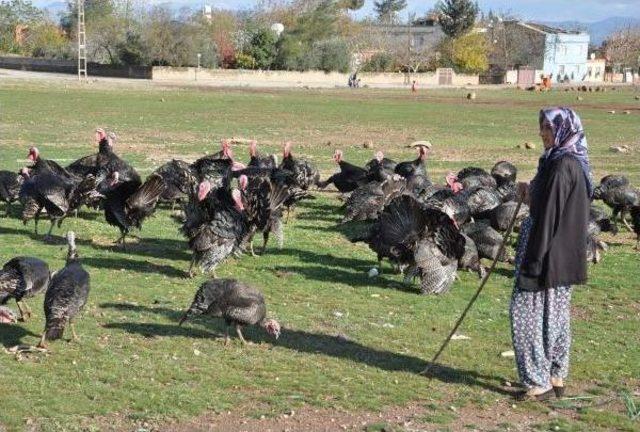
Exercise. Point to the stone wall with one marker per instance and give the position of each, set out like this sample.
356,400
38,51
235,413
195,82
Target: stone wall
71,67
315,79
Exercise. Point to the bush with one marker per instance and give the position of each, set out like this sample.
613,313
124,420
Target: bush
262,48
380,62
46,40
470,53
245,61
332,55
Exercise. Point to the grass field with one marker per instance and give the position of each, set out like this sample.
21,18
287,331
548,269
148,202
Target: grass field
351,345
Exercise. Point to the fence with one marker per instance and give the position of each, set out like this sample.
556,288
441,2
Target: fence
71,67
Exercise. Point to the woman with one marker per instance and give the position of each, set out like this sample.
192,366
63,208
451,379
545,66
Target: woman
551,255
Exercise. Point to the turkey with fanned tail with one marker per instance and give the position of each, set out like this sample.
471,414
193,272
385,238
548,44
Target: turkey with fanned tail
424,240
128,203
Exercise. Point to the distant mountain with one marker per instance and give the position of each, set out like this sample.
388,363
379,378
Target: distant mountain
599,30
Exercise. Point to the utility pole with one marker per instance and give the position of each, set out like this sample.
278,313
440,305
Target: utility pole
410,19
82,42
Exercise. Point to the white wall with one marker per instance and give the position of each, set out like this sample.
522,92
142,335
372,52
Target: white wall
316,79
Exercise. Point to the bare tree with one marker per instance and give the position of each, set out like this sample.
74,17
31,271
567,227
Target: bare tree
623,48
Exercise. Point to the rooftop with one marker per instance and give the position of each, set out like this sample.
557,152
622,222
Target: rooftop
543,28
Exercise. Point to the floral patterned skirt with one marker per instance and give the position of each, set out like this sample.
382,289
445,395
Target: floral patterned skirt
540,327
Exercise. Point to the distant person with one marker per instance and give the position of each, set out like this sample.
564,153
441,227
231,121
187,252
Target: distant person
414,87
551,255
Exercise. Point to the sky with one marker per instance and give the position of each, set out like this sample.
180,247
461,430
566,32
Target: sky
540,10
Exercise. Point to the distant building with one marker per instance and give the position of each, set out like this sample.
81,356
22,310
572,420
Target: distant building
423,35
559,54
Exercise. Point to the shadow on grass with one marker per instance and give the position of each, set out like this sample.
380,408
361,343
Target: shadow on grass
305,342
333,275
152,247
324,259
12,334
135,266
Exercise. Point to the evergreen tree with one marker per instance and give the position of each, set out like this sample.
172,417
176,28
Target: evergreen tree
457,17
387,10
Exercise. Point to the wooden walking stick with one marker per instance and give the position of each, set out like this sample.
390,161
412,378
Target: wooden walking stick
505,238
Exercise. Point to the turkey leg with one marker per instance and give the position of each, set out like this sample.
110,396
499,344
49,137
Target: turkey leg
43,340
623,216
25,311
226,335
265,240
74,335
193,263
239,332
48,236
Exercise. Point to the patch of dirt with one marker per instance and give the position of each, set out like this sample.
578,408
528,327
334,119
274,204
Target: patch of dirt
503,414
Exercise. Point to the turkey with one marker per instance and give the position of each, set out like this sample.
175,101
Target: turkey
502,215
298,174
424,240
472,177
217,169
66,296
487,240
10,184
349,178
471,258
415,167
263,202
215,226
380,168
599,218
22,278
366,202
259,161
127,203
237,303
598,223
178,180
504,172
449,200
89,164
41,165
59,196
304,173
617,193
481,200
595,248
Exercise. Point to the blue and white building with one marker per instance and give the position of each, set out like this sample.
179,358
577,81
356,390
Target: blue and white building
556,53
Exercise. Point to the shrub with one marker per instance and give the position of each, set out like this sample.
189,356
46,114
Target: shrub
379,62
245,61
332,55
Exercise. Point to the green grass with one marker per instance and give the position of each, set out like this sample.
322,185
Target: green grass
135,365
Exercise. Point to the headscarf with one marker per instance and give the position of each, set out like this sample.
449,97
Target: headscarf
569,140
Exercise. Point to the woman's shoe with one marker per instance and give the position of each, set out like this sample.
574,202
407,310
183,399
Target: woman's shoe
526,396
559,391
558,386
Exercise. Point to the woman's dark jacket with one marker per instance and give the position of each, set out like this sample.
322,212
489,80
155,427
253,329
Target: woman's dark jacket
556,252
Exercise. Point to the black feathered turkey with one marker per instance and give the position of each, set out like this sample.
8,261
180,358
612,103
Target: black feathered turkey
66,296
10,184
22,278
237,303
128,203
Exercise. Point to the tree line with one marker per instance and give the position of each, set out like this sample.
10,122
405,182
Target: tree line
314,35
